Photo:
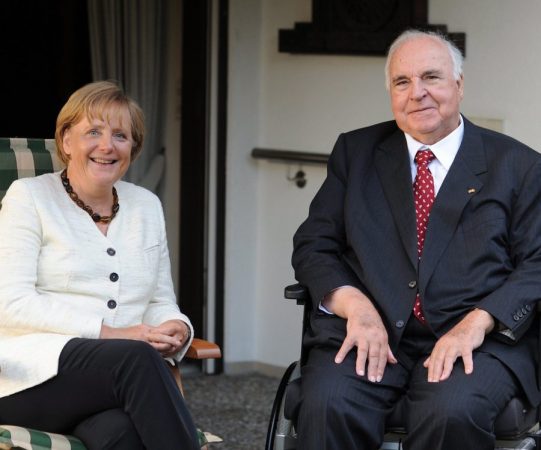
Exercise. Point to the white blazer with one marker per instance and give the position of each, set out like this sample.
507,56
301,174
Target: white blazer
60,277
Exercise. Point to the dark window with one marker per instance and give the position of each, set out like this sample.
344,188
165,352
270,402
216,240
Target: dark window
45,56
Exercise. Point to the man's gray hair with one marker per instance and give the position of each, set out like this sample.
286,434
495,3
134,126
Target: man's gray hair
409,35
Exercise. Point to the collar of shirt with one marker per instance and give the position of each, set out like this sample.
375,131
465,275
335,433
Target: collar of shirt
444,150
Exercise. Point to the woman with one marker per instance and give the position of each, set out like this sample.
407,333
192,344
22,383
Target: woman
87,309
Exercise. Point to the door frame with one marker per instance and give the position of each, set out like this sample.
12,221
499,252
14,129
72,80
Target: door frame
203,168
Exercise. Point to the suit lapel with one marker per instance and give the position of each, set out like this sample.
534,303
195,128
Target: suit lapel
459,186
393,168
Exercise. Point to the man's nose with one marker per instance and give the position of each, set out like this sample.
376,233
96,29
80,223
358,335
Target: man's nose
418,89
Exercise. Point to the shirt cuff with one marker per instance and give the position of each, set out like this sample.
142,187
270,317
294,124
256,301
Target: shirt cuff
322,308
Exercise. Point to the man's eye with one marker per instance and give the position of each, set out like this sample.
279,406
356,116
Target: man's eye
93,133
120,135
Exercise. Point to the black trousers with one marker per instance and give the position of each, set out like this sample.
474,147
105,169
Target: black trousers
340,410
110,393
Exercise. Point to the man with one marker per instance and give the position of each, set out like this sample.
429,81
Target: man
422,254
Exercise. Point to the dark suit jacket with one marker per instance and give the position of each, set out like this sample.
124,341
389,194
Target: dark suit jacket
482,248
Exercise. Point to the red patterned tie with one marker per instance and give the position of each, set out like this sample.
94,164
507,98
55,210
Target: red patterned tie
423,192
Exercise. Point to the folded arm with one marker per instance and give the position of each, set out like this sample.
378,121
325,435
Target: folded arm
172,330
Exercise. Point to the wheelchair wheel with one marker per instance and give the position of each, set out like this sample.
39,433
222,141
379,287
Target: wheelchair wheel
281,434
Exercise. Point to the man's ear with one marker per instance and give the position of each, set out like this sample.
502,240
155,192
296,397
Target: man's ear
460,85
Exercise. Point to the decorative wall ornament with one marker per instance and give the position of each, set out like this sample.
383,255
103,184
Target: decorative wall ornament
359,27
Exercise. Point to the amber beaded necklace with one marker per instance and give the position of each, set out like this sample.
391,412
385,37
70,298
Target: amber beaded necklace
95,216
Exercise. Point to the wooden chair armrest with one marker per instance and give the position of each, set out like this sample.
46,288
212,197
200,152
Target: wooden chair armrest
201,349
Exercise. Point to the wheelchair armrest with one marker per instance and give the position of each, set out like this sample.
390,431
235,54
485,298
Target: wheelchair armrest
297,292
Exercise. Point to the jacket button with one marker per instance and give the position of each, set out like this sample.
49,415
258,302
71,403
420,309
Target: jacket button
113,277
524,310
412,284
111,251
520,314
516,317
399,323
528,307
111,304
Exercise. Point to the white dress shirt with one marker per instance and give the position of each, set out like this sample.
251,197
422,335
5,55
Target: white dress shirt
444,150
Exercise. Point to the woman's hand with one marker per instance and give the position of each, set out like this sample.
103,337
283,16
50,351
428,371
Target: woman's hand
167,338
170,336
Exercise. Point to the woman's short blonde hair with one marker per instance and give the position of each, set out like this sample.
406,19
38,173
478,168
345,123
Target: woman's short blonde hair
94,100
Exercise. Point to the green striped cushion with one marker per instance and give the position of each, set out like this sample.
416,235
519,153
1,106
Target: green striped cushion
28,439
12,437
21,158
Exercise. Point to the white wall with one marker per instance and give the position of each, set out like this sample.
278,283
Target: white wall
241,202
302,102
503,44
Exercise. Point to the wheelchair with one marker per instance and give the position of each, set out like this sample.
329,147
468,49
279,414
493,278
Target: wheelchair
516,428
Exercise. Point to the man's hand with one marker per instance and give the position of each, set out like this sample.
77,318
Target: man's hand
460,341
166,338
365,331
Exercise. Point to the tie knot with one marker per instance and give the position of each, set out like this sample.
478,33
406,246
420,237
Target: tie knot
424,157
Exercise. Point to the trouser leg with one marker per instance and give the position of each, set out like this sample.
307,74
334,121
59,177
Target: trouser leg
143,387
458,413
116,432
339,409
97,375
